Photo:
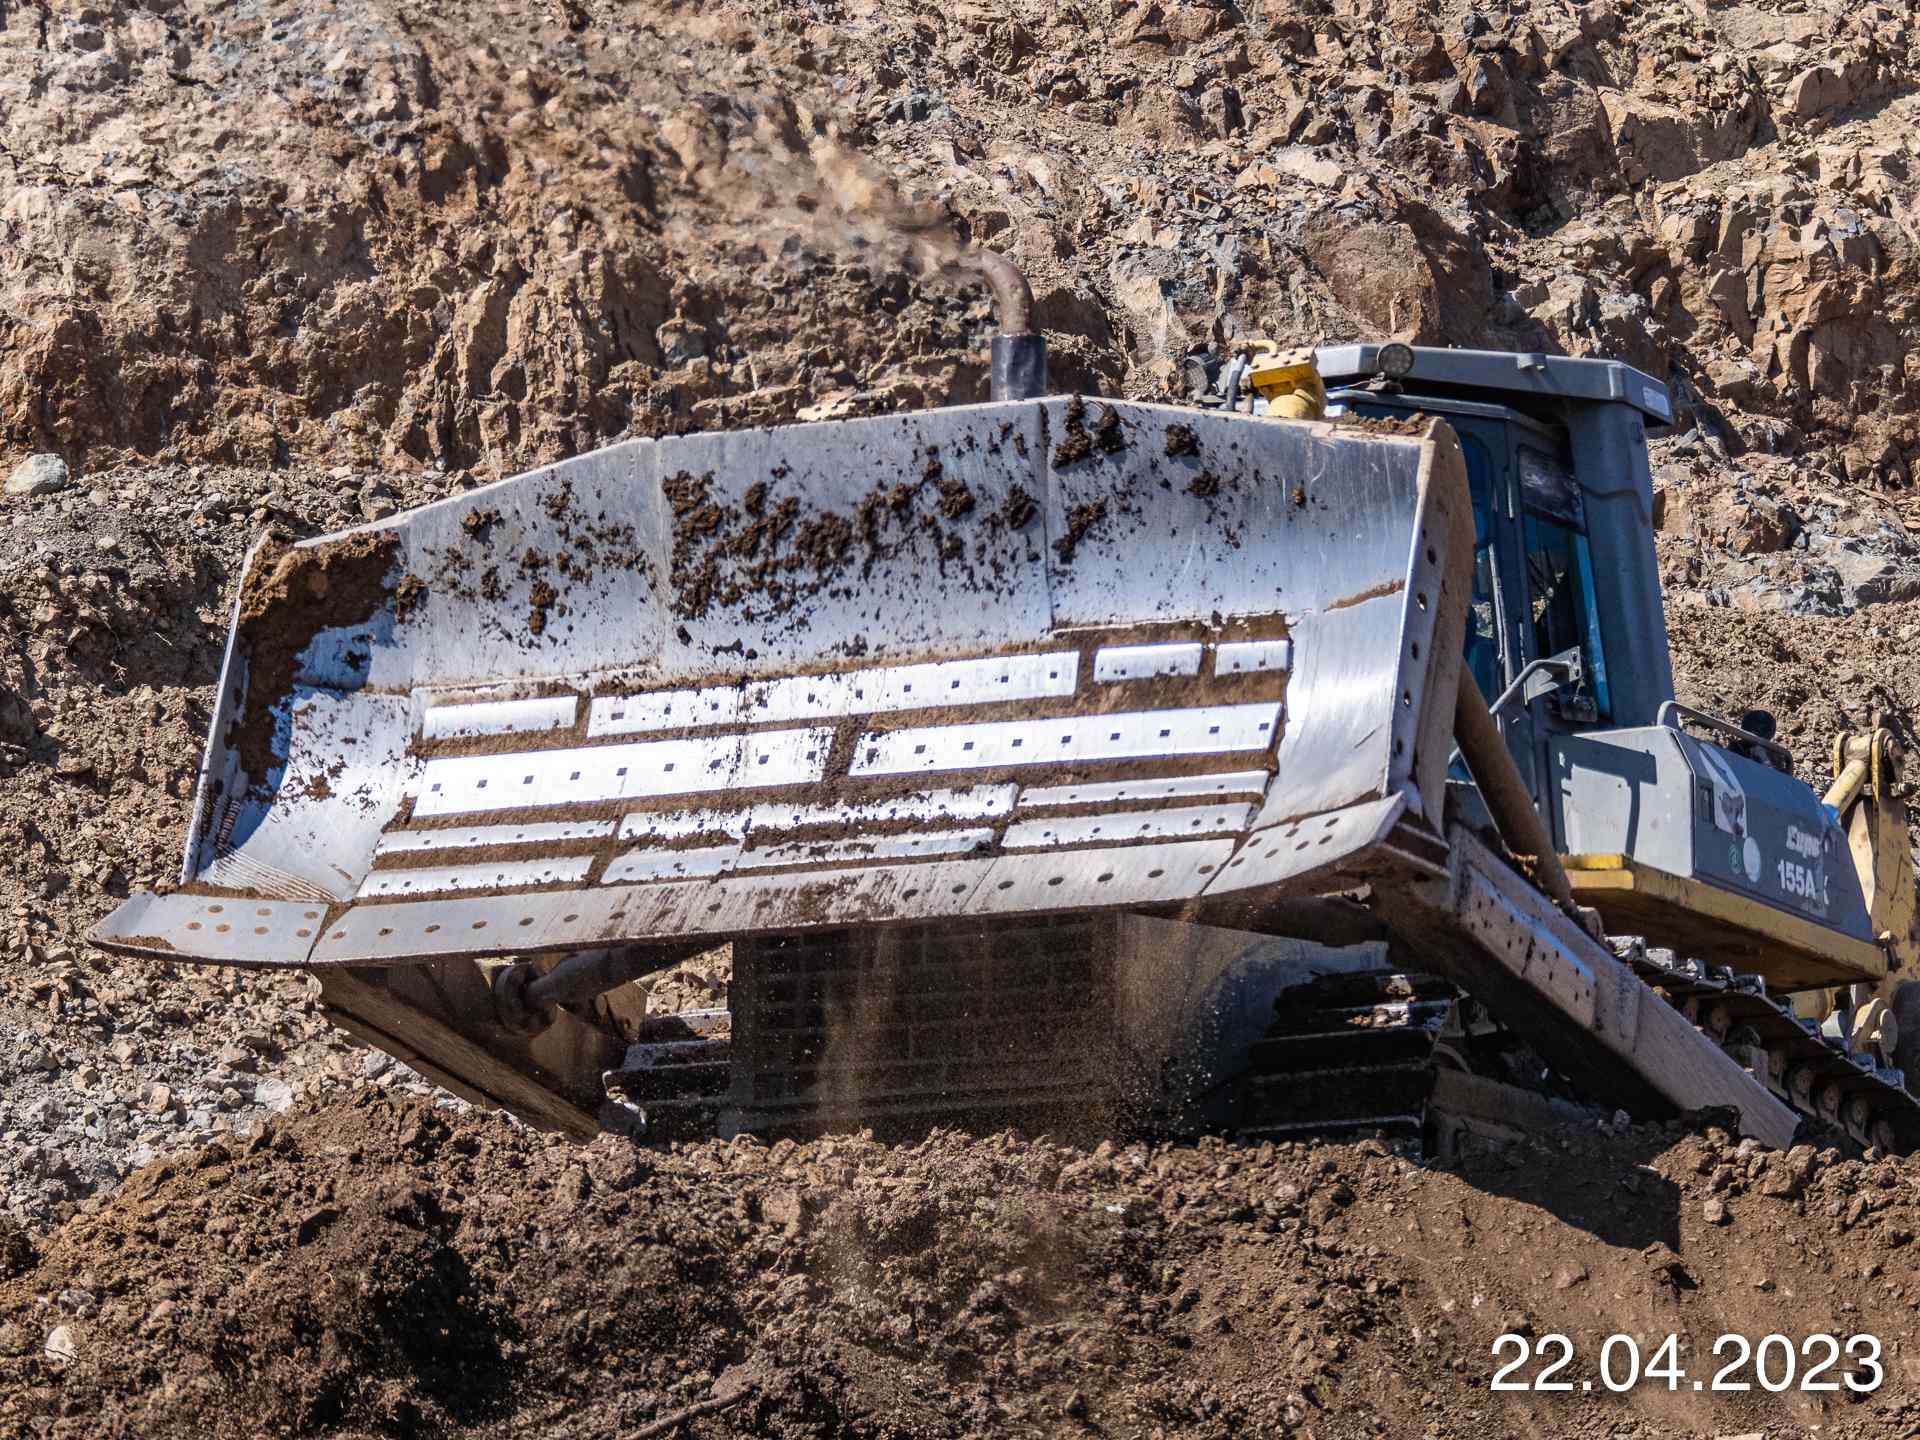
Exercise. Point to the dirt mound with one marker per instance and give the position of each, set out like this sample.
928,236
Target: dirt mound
380,1269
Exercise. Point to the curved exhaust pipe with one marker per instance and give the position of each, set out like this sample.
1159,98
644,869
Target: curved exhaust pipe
1019,351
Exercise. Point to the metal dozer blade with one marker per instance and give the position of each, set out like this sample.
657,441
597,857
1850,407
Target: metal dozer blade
986,661
972,672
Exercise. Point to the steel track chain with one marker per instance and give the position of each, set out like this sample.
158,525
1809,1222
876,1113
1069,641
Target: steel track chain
1809,1071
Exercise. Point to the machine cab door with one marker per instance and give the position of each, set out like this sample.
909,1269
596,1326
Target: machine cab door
1533,583
1560,609
1533,577
1486,649
1496,647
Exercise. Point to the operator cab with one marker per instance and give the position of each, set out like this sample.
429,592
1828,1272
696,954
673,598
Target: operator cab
1543,531
1567,640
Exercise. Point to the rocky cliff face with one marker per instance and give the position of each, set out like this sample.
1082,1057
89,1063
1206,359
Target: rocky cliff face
262,230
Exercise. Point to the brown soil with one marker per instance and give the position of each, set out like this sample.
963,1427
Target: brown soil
1109,433
408,596
956,500
1077,444
382,1269
1019,509
1080,519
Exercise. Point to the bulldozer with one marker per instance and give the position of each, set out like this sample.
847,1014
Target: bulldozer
1300,755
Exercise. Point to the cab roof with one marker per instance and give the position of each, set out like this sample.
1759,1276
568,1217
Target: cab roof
1528,374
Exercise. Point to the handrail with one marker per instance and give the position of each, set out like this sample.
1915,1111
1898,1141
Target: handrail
1671,712
1569,670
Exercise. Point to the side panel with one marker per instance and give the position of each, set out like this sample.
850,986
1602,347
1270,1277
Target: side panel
1767,835
1695,810
1625,793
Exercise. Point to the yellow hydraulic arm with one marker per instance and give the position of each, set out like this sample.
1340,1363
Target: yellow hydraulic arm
1866,769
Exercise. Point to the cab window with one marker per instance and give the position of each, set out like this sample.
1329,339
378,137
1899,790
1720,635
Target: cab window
1483,621
1561,604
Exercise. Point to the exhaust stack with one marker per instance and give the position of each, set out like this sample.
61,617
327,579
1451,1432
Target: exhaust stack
1019,351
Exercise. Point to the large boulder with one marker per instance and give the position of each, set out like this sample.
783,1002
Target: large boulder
1412,276
41,474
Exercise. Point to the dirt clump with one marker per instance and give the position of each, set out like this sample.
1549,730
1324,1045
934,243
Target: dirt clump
1081,519
1020,508
408,596
1181,440
1077,444
541,599
956,500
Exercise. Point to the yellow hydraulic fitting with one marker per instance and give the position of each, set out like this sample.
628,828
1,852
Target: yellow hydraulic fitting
1288,381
